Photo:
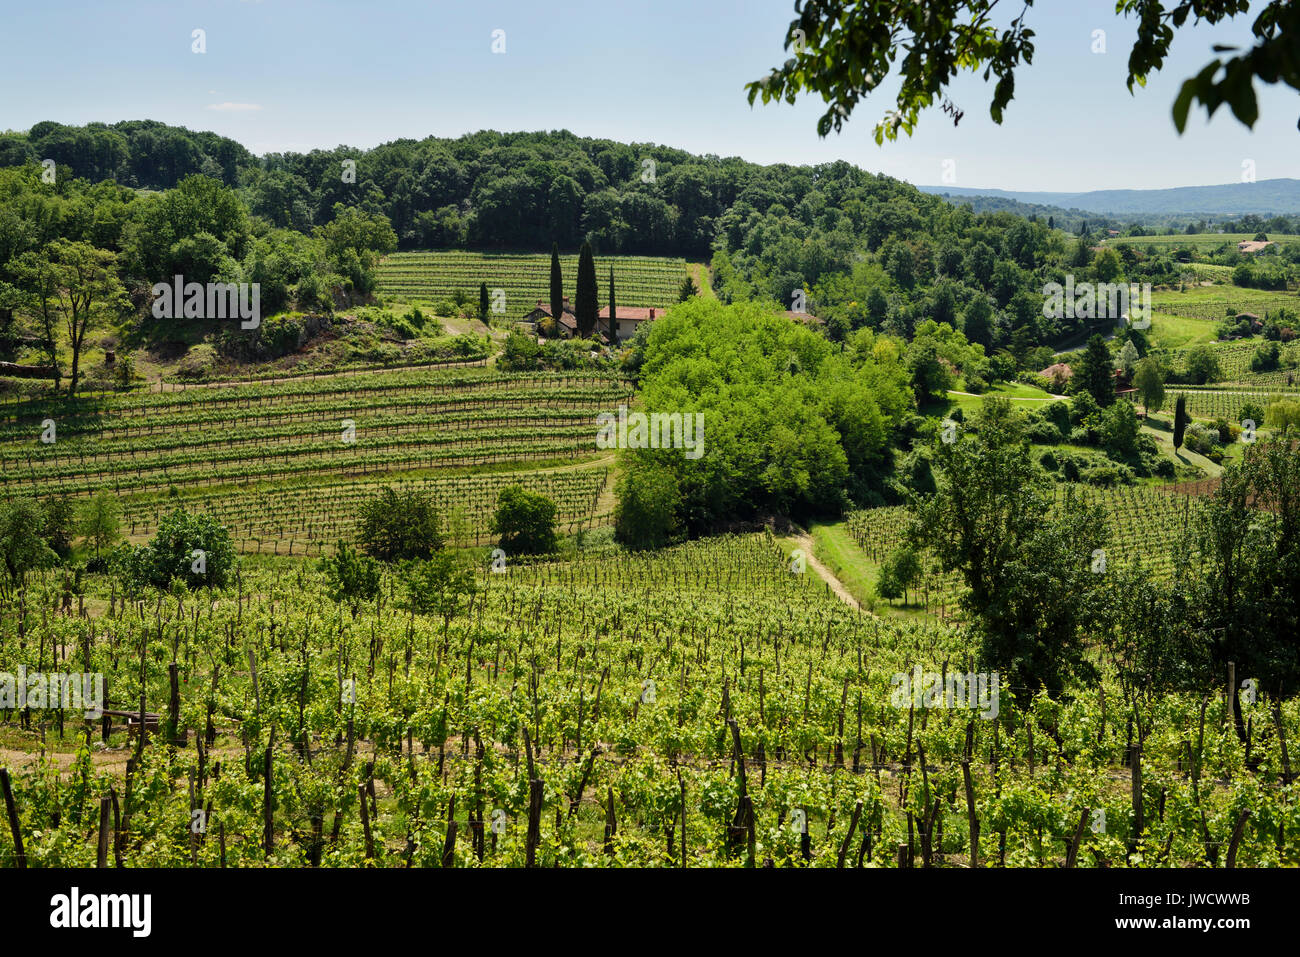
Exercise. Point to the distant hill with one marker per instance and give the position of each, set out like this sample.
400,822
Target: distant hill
1266,197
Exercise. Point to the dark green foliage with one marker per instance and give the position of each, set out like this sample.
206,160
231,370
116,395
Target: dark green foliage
351,578
524,522
1247,568
60,525
557,284
899,571
847,49
1094,373
396,526
585,306
1202,366
190,548
1180,421
1030,594
23,546
483,305
648,499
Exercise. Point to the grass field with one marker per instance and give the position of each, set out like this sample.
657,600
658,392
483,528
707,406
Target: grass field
640,281
1184,318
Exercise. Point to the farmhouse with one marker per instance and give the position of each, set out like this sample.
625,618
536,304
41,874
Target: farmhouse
567,325
628,319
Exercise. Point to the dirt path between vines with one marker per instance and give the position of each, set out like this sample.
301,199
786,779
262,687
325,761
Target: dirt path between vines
806,543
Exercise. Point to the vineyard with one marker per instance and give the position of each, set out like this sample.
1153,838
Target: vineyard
1146,526
525,277
270,459
1222,403
1202,242
700,706
315,515
1214,304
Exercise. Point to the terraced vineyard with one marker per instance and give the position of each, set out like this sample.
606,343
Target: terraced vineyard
272,458
309,517
433,276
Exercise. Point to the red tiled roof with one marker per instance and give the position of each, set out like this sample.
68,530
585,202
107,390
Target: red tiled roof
635,313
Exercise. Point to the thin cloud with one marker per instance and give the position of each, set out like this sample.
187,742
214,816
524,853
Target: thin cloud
229,107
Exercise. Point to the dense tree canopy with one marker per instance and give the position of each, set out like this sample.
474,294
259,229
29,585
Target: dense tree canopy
790,424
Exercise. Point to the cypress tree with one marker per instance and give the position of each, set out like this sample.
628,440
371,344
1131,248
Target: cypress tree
483,303
584,300
613,308
557,284
1180,421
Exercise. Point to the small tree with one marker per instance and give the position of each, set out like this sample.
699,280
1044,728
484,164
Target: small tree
888,586
613,309
399,526
557,284
437,585
101,521
525,522
1127,360
1149,380
1180,421
688,289
60,525
907,568
22,542
88,293
483,306
350,577
190,548
1203,366
585,308
1093,372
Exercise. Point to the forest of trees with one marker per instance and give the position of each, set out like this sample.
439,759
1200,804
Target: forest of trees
860,249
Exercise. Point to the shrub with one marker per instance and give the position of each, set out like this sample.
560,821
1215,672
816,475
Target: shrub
1266,358
399,526
198,362
1044,433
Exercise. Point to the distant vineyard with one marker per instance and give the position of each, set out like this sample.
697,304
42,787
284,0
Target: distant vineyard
1216,303
1145,526
1203,242
525,277
285,464
1221,403
1234,363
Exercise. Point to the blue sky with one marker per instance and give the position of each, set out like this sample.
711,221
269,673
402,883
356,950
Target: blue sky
298,74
